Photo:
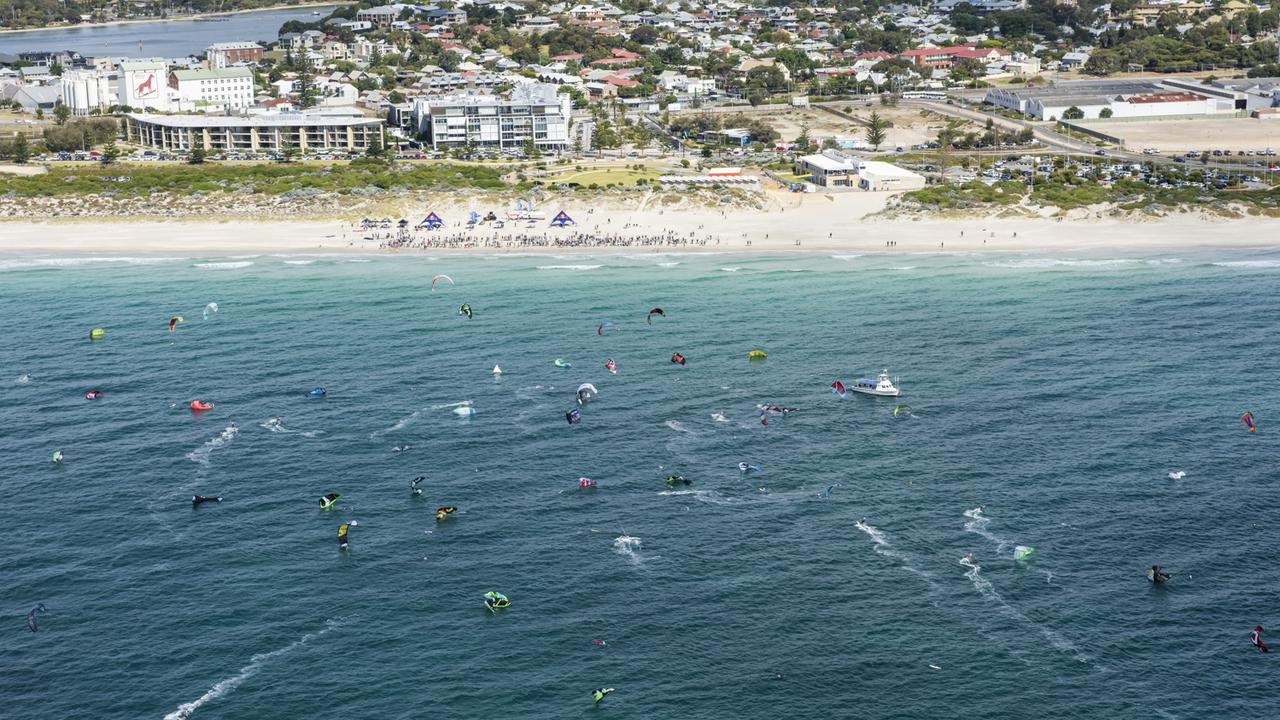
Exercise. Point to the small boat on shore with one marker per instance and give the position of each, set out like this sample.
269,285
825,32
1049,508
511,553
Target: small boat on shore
882,386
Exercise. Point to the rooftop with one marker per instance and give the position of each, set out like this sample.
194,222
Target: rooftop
329,118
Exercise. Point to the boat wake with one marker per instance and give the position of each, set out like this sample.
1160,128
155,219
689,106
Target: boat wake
227,685
677,426
276,426
201,454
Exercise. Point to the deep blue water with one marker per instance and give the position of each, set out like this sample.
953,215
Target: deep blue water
167,38
1055,393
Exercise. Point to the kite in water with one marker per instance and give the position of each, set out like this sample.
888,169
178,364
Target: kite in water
673,480
1247,419
200,406
438,278
173,321
902,408
317,392
827,493
342,533
1023,552
757,355
197,500
1255,637
599,694
561,363
605,325
677,358
327,501
586,391
35,612
444,512
719,417
749,468
611,366
97,334
653,311
574,416
413,485
584,483
1156,575
465,310
496,601
93,395
210,309
1178,475
57,457
600,643
837,388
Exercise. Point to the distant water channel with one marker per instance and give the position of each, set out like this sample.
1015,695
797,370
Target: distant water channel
160,38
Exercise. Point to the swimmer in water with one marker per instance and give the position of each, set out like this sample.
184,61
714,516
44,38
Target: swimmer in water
968,557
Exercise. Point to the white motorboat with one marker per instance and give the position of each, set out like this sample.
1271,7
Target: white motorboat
881,386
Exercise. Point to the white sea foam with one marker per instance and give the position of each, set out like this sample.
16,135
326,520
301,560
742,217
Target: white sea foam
629,548
1045,263
884,548
719,417
1177,475
299,262
730,269
23,379
276,426
224,265
27,263
677,426
227,685
1249,263
569,267
903,267
668,264
401,424
201,454
845,258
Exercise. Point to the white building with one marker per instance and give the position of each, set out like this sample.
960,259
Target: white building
86,90
534,112
324,130
142,85
198,89
828,168
878,176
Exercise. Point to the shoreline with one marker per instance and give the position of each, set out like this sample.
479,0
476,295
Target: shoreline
621,232
199,16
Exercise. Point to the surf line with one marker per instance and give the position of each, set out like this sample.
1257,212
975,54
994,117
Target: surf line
227,685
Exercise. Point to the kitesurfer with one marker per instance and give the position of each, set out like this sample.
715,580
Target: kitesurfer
573,416
1255,637
93,395
495,600
413,485
677,358
196,500
57,457
342,533
327,501
673,479
443,512
599,694
611,366
584,483
1156,575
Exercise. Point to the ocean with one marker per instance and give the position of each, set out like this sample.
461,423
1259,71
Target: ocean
1051,395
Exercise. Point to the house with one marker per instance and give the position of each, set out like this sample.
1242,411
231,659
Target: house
829,168
381,16
228,87
946,57
221,55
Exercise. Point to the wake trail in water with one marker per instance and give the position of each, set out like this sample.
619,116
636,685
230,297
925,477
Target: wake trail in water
677,426
201,454
227,685
885,548
978,524
276,426
988,591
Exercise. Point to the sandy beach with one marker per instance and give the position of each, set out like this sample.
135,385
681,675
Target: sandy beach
799,223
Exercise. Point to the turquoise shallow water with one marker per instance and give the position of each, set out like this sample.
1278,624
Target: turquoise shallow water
1053,392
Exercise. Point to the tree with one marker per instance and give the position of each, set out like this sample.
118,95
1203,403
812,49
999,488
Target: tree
876,126
375,149
1105,113
531,151
39,113
1073,113
197,153
802,141
288,151
395,97
644,35
20,151
110,153
306,87
61,112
